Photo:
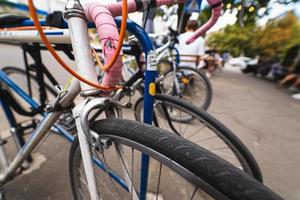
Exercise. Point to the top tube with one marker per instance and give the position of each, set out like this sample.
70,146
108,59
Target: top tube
132,27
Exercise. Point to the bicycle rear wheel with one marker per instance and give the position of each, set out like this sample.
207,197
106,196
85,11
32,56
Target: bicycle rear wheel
188,84
178,169
204,130
19,77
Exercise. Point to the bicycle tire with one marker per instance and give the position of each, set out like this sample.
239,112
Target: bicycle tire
244,156
66,121
203,81
15,70
206,171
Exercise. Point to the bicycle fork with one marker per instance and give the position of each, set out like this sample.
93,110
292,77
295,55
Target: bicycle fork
95,141
86,152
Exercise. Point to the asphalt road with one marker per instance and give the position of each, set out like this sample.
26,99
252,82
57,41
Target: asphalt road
265,118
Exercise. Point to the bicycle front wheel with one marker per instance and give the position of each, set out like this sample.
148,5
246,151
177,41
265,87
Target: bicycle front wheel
178,169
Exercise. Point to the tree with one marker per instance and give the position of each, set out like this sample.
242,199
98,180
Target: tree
278,36
234,39
248,9
271,41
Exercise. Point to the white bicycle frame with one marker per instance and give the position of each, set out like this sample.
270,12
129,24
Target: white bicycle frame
77,35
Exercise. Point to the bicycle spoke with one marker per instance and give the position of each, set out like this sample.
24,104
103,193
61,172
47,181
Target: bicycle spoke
184,129
81,193
194,193
159,178
82,179
128,177
196,132
113,186
206,139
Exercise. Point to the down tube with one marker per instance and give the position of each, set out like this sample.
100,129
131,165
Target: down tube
150,76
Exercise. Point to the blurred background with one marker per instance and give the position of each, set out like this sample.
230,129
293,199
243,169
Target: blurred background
254,56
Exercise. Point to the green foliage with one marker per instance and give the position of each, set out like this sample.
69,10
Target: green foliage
248,16
271,41
278,36
235,39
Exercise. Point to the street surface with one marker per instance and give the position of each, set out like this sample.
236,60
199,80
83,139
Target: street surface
265,118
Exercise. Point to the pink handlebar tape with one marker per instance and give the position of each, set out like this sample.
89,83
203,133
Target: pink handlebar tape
102,16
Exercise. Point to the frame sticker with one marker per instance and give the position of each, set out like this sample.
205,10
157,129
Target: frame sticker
151,61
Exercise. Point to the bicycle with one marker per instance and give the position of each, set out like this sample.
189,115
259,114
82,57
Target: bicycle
181,81
155,140
168,107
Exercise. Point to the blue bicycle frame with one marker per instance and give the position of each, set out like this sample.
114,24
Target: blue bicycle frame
150,77
34,105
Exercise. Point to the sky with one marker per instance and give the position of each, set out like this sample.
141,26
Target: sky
276,10
228,18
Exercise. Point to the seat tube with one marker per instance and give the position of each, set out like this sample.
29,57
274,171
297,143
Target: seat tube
75,16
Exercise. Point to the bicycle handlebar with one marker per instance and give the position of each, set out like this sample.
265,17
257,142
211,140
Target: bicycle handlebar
138,5
216,6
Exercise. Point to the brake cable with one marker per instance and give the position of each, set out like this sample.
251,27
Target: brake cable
46,42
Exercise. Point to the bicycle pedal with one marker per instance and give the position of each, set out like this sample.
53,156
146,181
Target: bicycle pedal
67,121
